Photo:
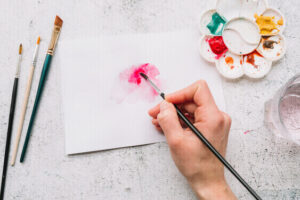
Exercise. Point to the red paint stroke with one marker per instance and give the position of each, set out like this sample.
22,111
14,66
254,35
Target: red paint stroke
217,46
250,58
135,76
150,70
133,84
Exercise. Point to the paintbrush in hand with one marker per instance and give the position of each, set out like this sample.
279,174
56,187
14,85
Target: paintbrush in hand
204,140
10,123
55,33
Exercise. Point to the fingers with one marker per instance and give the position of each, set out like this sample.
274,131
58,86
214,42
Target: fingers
156,124
169,122
227,121
195,95
153,112
198,92
189,107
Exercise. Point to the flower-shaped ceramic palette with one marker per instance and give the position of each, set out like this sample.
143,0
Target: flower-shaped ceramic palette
242,37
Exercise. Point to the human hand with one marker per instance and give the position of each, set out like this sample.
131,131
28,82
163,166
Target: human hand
204,172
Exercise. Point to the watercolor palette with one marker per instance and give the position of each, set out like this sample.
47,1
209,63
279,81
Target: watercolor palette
242,37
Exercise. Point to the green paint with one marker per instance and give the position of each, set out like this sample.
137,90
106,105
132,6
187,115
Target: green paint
216,24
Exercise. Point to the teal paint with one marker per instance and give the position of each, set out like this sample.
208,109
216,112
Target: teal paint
216,24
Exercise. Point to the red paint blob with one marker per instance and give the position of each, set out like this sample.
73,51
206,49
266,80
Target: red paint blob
132,75
132,87
250,58
217,46
135,76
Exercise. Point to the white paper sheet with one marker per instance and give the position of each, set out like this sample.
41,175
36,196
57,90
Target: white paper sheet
89,69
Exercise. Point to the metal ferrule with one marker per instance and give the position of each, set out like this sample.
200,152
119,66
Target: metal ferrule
17,75
54,37
34,59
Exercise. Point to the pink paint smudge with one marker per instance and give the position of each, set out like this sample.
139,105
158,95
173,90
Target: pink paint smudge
134,73
133,87
246,132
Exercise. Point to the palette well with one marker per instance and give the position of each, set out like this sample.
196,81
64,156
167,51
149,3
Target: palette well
272,47
242,37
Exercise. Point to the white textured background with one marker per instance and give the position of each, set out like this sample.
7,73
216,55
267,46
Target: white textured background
146,172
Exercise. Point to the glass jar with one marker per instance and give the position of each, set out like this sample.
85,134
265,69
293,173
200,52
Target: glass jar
282,112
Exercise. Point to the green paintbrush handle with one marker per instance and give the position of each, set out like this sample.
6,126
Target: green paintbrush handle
36,103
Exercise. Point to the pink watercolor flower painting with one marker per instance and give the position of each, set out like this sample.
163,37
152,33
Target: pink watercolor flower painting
131,87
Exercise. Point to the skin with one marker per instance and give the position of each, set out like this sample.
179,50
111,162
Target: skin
204,172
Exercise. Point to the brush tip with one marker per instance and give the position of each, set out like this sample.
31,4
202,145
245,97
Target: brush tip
58,21
144,76
38,40
20,49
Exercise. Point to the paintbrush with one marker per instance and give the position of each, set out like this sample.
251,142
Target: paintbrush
25,102
204,140
10,122
55,34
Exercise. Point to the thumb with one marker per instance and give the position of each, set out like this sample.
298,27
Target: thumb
168,121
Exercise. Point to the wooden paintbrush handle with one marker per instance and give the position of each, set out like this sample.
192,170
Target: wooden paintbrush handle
24,107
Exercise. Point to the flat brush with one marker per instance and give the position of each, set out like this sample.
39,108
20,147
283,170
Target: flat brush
25,102
10,123
55,34
204,140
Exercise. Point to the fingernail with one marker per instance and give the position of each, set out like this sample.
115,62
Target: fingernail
164,106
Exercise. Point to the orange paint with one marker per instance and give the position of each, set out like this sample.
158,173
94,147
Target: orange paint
280,22
229,60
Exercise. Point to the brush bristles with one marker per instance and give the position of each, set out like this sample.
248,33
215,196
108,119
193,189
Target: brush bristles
38,40
144,76
20,49
58,21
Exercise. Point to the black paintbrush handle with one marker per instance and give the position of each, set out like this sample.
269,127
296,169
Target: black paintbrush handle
8,137
214,151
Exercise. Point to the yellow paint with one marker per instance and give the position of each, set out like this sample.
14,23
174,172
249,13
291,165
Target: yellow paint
280,22
266,24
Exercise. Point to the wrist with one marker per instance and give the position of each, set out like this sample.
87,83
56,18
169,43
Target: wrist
214,191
